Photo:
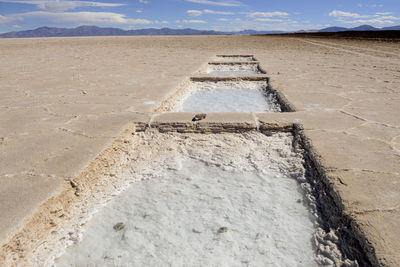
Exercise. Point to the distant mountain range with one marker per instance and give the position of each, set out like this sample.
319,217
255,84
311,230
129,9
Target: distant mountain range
98,31
360,28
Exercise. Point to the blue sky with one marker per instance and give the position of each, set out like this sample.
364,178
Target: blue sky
223,15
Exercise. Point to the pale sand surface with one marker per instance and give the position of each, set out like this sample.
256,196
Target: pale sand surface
63,100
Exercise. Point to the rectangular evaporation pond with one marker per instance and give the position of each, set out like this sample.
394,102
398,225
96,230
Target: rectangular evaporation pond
227,96
240,204
233,58
233,69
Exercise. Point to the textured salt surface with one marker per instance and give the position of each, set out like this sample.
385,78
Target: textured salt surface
235,59
205,200
233,72
176,221
242,96
222,69
253,161
226,101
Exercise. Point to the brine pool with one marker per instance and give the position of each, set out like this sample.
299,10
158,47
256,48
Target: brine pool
205,200
225,96
229,69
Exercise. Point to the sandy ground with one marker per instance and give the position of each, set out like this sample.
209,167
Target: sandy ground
63,100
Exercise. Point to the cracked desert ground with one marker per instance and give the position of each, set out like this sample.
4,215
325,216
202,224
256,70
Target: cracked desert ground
64,100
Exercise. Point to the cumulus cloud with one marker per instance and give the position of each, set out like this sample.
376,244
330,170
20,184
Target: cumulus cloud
383,13
6,19
160,22
191,21
144,2
343,14
216,3
196,13
59,6
354,18
267,14
372,5
53,12
207,11
389,17
80,18
268,20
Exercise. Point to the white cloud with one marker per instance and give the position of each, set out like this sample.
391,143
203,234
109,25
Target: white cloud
6,19
343,14
268,20
354,18
161,22
144,1
81,18
196,13
139,10
239,25
58,6
389,17
383,13
53,13
373,5
267,14
222,19
207,11
191,21
216,3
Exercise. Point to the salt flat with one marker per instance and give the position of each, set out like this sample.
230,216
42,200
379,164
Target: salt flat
63,100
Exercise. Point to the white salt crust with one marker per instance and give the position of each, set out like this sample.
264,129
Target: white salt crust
234,59
226,69
185,187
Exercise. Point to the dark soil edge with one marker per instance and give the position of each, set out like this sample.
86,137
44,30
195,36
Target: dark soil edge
283,102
